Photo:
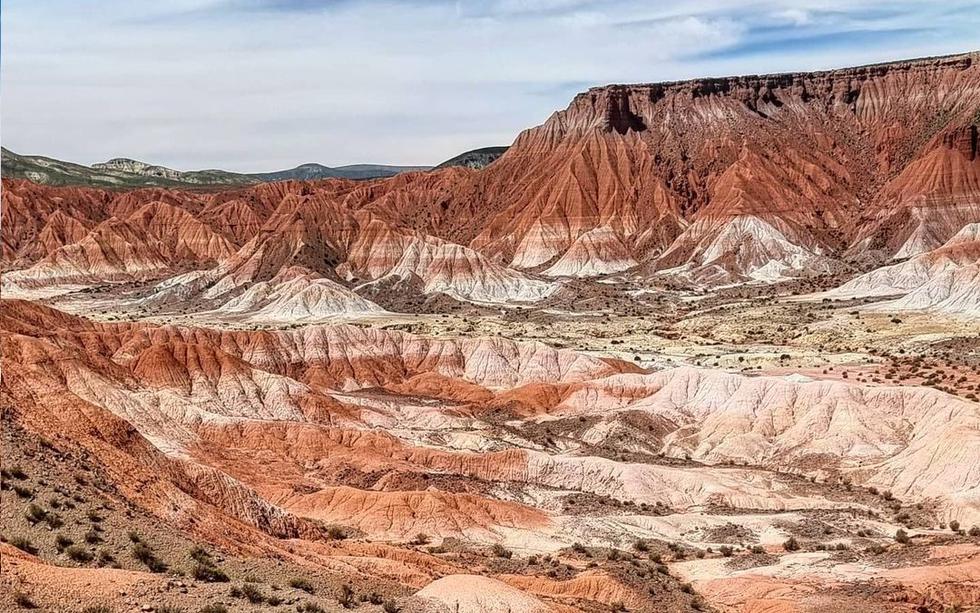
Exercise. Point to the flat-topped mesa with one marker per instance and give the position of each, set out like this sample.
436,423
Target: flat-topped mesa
624,107
789,160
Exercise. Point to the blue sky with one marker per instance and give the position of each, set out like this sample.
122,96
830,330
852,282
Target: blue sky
255,85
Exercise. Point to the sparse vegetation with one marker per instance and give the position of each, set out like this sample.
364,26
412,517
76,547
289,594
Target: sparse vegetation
248,591
24,544
346,597
79,554
204,568
62,542
791,544
35,514
143,553
209,573
301,583
106,558
24,601
501,552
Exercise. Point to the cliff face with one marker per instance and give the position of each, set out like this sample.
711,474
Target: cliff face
667,166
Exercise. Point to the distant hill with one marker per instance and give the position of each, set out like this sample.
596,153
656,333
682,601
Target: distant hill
477,158
148,171
126,172
49,171
353,171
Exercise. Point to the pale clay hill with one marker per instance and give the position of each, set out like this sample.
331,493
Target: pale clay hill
697,346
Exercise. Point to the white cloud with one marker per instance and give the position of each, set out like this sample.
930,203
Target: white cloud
264,84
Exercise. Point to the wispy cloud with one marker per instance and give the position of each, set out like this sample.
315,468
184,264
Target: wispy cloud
260,84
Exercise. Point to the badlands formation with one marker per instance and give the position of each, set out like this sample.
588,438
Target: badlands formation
699,346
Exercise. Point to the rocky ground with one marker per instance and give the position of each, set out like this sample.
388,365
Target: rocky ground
657,525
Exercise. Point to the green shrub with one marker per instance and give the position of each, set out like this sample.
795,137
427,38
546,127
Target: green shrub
105,558
62,542
209,573
79,554
35,514
501,552
301,584
24,601
54,520
24,544
200,554
143,553
251,593
346,597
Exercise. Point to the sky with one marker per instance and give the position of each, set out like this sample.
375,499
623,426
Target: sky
261,85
